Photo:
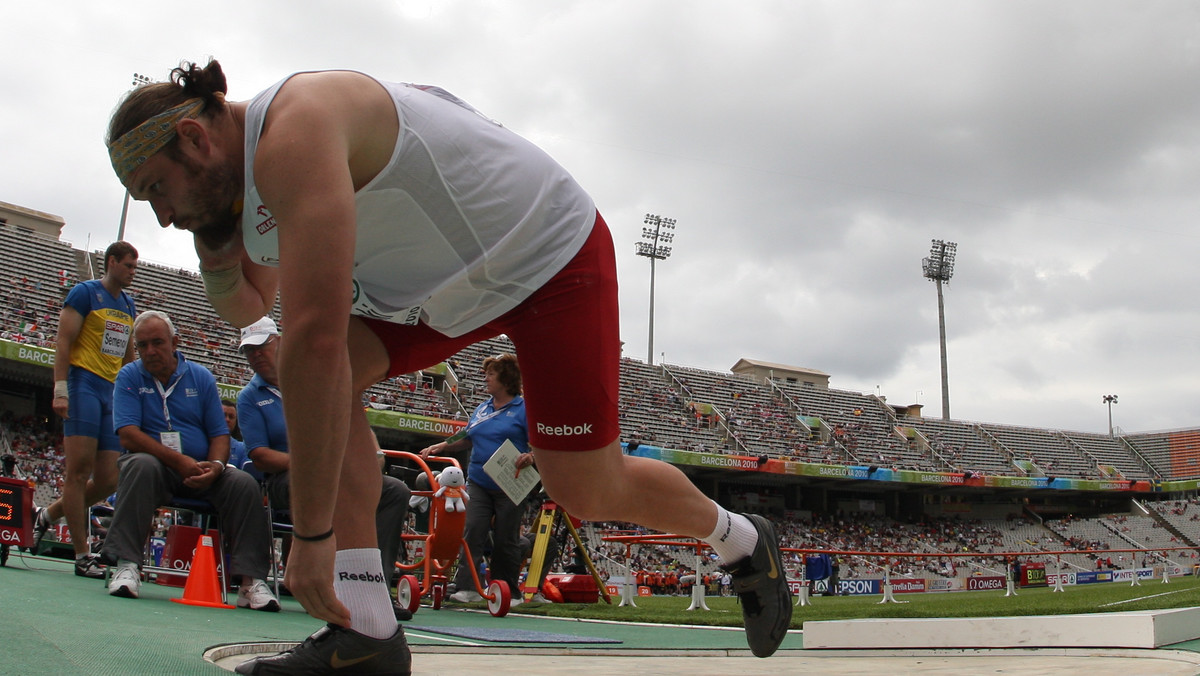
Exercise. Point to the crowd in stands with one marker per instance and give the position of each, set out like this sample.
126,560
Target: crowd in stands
675,407
38,452
27,319
871,537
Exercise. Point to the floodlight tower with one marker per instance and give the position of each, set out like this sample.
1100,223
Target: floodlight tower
938,268
1110,399
138,81
654,247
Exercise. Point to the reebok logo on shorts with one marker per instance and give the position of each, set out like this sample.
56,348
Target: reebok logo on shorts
564,430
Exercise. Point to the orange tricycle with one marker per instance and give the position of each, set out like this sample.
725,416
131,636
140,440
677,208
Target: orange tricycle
428,573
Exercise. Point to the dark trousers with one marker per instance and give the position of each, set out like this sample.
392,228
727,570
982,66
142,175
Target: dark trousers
491,512
145,484
389,514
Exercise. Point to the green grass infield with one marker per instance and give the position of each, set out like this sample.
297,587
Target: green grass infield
1180,592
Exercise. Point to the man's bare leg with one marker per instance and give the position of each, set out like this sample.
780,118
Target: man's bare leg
102,484
80,464
606,485
368,600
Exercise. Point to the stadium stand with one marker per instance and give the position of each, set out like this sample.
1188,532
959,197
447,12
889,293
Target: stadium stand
691,410
39,270
674,406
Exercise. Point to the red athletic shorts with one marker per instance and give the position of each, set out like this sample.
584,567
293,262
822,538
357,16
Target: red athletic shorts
568,345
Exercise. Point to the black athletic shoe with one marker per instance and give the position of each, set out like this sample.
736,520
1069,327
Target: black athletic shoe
88,566
761,585
335,649
402,614
40,525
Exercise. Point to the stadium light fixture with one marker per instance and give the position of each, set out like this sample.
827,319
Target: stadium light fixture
138,81
939,268
657,235
1110,399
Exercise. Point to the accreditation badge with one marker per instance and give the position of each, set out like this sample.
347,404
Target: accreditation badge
172,440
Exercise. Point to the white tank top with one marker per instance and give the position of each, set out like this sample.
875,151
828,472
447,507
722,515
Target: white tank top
465,222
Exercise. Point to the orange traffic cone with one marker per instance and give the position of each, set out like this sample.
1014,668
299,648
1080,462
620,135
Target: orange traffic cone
203,587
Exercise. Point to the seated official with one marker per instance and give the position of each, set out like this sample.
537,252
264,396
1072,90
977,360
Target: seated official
237,447
264,431
168,415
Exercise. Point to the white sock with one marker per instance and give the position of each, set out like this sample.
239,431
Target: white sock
734,537
359,583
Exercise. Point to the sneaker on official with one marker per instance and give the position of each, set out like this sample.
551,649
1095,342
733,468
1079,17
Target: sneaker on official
41,524
402,614
126,581
334,649
761,585
466,596
256,595
88,566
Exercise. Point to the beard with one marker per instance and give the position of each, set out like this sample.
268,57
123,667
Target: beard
211,212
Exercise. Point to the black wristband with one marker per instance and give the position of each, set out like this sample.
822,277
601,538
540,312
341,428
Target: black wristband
315,538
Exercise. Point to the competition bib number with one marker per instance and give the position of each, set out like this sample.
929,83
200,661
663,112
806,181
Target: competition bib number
116,339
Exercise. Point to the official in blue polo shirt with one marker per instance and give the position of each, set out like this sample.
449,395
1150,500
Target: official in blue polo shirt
168,416
490,512
260,416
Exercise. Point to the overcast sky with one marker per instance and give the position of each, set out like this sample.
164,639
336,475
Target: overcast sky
809,151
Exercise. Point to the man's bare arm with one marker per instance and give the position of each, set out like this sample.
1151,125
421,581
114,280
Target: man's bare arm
70,323
240,290
269,460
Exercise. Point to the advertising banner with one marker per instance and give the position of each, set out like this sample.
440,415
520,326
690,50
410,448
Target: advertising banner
986,582
942,584
1033,575
859,587
1067,578
845,587
414,423
28,354
908,586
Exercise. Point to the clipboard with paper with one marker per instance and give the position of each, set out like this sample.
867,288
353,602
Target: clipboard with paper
502,468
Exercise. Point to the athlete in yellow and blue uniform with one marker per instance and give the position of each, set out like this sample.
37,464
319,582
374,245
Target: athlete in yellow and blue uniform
94,330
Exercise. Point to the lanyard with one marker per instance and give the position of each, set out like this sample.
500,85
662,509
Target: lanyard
480,420
495,412
165,394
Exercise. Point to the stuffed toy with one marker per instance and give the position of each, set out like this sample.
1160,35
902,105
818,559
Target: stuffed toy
452,482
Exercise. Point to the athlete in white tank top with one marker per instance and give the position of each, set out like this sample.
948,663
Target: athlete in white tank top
446,234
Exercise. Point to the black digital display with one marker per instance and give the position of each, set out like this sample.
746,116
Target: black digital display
16,512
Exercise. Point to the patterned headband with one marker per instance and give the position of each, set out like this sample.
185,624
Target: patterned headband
140,143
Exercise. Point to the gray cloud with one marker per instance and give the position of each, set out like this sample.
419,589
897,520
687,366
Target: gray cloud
809,151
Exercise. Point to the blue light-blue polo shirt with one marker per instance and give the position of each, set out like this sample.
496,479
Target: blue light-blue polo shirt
260,416
487,436
237,452
194,404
